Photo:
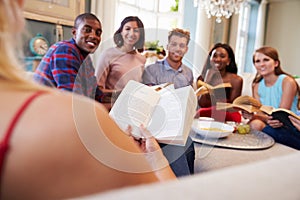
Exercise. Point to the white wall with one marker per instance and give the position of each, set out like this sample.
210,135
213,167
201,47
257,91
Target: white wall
105,11
283,32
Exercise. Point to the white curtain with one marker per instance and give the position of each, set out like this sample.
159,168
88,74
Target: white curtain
261,24
105,11
202,40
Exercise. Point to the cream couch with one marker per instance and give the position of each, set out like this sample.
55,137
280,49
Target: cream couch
275,178
222,173
247,81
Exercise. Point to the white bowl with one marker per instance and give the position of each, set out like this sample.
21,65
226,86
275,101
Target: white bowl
212,129
206,119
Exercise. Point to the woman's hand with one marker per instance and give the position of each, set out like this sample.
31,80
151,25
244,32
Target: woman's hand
247,115
150,147
154,154
295,122
274,123
147,143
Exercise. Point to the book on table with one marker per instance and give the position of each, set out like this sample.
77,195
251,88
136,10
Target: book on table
166,112
252,105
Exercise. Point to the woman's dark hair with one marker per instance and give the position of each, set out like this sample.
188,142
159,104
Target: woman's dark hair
139,45
232,67
273,54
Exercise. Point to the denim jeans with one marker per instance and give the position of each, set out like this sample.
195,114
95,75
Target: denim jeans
181,158
288,137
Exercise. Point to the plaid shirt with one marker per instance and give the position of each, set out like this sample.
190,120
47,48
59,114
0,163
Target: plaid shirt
66,67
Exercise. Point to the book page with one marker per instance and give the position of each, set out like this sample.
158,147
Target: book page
210,87
173,116
202,83
190,111
247,100
222,85
235,107
166,118
267,109
134,106
246,103
201,90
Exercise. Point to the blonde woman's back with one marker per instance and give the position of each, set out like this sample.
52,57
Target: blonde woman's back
51,157
62,145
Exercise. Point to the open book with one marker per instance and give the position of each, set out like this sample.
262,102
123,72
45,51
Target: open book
166,112
204,88
252,105
281,114
246,103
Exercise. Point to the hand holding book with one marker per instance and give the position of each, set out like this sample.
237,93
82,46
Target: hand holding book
296,122
280,114
251,105
165,111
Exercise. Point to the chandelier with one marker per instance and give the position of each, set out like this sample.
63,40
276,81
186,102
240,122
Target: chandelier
220,8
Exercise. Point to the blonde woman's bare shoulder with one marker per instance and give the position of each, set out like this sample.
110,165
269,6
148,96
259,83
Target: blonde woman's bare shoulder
81,115
66,100
64,113
65,135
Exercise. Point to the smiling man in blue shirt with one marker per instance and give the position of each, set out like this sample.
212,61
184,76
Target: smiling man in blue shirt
172,70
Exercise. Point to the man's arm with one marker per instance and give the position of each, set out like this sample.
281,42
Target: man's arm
65,63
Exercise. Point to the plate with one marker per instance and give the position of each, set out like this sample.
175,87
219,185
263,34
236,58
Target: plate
212,129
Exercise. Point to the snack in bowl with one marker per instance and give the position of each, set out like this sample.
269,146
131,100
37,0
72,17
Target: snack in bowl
212,129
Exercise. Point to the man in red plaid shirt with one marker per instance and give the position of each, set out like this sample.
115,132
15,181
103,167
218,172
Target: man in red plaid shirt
67,64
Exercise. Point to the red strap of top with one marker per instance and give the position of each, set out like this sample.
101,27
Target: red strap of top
4,144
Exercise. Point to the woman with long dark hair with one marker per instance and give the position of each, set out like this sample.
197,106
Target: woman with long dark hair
117,65
220,67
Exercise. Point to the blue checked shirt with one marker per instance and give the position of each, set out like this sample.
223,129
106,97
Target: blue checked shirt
161,72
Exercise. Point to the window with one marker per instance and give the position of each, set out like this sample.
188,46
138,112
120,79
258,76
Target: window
156,14
246,36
